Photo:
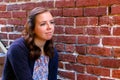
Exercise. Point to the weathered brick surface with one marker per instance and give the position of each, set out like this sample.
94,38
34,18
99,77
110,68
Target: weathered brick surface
68,75
99,51
98,71
69,12
86,77
88,60
86,3
95,11
116,73
86,34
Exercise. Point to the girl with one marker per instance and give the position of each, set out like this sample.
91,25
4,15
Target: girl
33,57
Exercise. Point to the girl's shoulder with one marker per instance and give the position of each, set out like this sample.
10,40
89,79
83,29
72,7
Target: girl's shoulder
18,46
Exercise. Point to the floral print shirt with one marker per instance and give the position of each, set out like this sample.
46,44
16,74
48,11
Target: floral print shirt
40,71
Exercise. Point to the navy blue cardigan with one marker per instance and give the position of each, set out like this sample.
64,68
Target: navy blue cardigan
18,66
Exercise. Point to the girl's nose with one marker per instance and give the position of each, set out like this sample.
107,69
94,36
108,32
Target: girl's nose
49,26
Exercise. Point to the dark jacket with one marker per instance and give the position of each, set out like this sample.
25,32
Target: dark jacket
18,66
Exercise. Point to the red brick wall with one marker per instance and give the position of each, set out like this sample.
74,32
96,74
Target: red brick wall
87,34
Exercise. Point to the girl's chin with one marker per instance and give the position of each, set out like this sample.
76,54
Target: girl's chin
48,38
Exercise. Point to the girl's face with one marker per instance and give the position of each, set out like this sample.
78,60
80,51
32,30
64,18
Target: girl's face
44,26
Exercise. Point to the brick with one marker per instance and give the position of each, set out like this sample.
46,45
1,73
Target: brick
105,30
67,57
75,67
98,71
66,74
14,22
93,40
65,21
82,21
48,4
88,40
57,12
54,38
14,36
71,30
2,21
86,77
88,60
106,79
116,74
101,51
23,21
3,35
70,39
116,52
75,12
59,21
5,14
1,0
2,7
111,41
92,20
110,63
59,29
28,6
116,31
115,9
7,29
23,0
60,47
64,3
69,48
116,20
82,39
81,3
93,31
19,28
13,7
19,14
10,0
99,11
6,0
106,20
81,49
108,2
66,39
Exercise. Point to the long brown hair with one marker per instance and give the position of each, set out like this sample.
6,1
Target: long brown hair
28,34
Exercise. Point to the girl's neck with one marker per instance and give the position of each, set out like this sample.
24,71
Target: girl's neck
40,44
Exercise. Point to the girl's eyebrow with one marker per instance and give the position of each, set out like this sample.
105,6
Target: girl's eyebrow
49,20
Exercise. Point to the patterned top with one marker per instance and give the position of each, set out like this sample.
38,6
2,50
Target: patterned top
41,68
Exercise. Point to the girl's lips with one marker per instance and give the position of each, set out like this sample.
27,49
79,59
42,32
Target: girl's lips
49,33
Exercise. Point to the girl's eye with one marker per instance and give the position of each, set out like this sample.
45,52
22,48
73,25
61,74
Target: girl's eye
52,22
42,24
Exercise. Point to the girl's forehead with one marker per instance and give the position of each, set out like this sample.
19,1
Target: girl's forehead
44,16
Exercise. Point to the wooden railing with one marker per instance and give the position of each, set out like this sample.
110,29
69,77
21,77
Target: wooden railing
2,58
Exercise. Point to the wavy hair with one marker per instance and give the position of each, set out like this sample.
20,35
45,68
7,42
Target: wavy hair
29,36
